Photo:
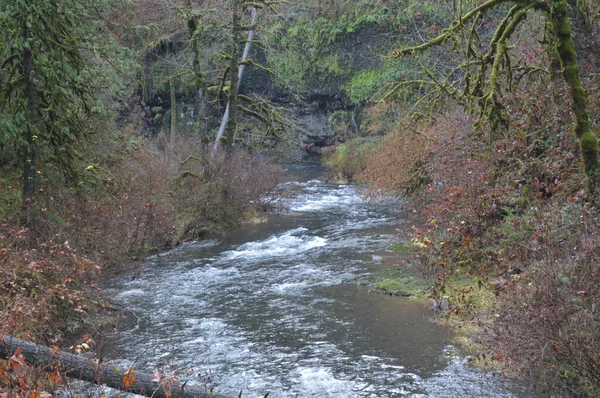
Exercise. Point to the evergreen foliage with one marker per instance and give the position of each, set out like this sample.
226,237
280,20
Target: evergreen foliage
47,86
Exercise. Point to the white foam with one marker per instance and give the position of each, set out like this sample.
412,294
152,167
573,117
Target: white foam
370,358
315,203
392,367
320,380
130,293
289,287
286,244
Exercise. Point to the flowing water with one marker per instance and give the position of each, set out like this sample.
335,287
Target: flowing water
270,311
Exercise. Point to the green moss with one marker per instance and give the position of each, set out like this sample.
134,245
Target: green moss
402,247
589,153
400,281
364,85
568,58
579,96
589,142
564,28
406,287
561,8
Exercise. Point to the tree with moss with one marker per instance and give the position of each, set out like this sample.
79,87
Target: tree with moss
47,88
486,71
231,80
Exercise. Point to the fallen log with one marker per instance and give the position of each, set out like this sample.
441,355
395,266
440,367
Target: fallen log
107,374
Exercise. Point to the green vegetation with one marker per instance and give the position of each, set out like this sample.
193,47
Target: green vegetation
402,281
481,113
349,159
311,53
49,89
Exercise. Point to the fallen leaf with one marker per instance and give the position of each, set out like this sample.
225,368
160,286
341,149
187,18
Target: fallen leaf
128,379
17,359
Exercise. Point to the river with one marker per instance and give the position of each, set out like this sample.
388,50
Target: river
270,310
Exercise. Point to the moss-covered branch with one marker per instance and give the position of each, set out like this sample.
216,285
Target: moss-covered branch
588,142
491,108
483,87
449,32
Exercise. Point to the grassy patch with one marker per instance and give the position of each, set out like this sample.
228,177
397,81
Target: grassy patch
402,247
400,281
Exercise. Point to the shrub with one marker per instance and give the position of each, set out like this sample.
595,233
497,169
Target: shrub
47,290
126,213
350,158
400,166
213,194
549,324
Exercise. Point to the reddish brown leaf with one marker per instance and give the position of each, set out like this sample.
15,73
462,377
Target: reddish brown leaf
17,359
55,377
128,379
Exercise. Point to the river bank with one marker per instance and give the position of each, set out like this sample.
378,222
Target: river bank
465,305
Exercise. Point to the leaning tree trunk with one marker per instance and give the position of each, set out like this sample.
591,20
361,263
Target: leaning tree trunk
236,79
588,142
88,369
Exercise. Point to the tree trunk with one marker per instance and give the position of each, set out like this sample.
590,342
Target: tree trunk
173,109
194,31
28,188
234,78
237,72
588,142
87,369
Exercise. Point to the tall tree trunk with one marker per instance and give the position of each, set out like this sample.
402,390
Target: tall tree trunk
237,72
30,135
145,81
194,31
588,142
201,111
234,78
173,109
